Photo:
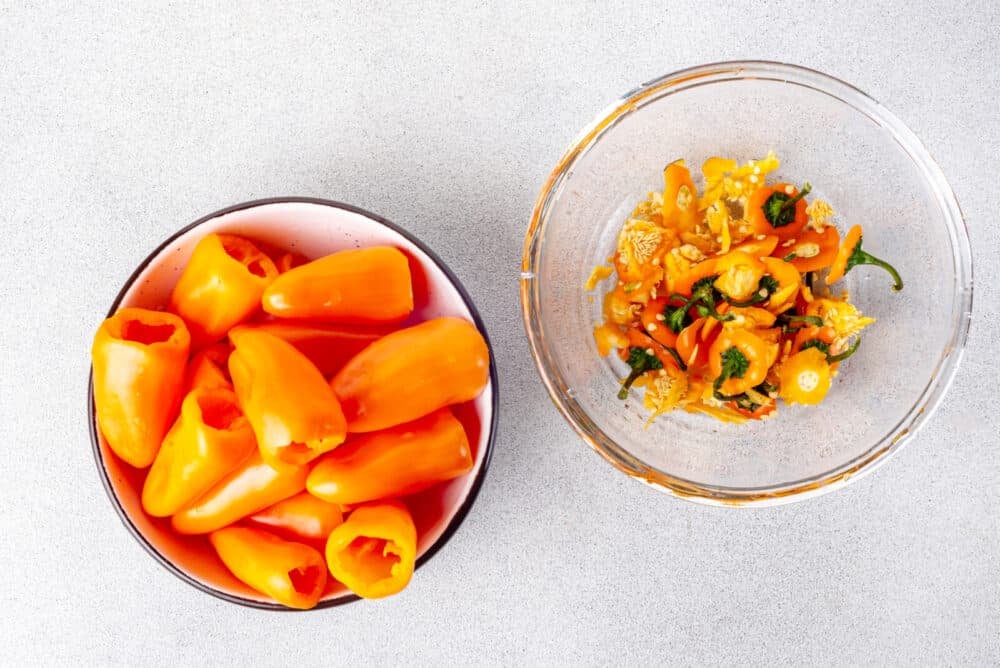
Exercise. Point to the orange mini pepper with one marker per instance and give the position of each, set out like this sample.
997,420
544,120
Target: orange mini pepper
411,372
368,285
851,255
401,460
653,319
804,377
680,197
209,439
221,286
812,250
294,413
739,360
329,347
778,210
139,358
788,279
301,517
209,368
251,487
757,247
288,261
374,551
293,574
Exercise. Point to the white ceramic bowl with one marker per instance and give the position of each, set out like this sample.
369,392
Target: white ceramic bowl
313,228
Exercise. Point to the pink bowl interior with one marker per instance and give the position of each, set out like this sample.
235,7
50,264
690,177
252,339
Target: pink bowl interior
312,229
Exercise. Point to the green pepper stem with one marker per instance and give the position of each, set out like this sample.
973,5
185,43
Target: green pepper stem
806,189
632,377
864,257
847,353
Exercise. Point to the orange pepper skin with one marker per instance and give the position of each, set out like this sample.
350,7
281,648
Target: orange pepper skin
654,322
804,377
294,413
758,247
680,197
209,439
209,368
411,372
685,283
367,285
329,347
824,244
221,286
694,341
301,517
839,265
759,222
401,460
788,278
374,551
251,487
293,574
139,358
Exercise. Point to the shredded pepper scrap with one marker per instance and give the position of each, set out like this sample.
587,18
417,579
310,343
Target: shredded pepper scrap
715,307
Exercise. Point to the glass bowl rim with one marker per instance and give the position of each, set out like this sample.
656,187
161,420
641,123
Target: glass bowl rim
460,513
933,178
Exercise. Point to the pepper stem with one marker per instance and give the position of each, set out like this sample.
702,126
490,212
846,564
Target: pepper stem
864,257
806,189
847,353
632,377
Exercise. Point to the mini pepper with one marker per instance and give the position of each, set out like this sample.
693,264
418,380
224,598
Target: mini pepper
398,461
291,573
329,347
209,368
251,487
411,372
221,285
294,413
374,551
139,357
301,517
366,285
209,439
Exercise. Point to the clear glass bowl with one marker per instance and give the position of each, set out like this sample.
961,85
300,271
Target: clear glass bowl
861,159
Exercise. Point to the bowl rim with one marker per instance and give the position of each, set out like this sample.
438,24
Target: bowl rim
887,445
460,513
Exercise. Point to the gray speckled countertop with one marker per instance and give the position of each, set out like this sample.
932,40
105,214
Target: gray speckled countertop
121,124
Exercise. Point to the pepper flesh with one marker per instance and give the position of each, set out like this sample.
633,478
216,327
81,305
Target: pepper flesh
302,517
758,220
209,368
752,347
209,439
329,347
221,285
250,488
139,358
291,573
398,461
805,377
813,250
367,285
374,551
294,413
680,197
411,372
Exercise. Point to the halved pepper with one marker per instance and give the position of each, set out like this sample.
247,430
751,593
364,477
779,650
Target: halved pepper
139,357
680,197
368,285
739,360
294,413
291,573
401,460
411,372
209,439
301,517
329,347
812,250
805,377
209,368
778,210
221,286
374,551
250,488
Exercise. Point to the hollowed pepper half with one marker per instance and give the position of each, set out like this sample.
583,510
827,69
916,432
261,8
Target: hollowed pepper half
139,358
291,573
209,439
374,551
294,413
